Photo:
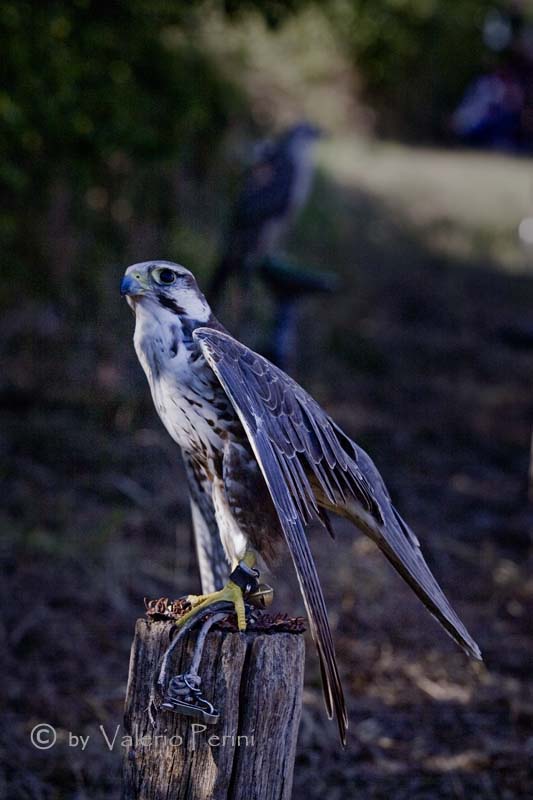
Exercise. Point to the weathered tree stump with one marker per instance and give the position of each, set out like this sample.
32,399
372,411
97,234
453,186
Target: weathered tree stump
255,681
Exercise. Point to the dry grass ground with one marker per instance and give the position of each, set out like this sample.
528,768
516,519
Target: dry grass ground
409,359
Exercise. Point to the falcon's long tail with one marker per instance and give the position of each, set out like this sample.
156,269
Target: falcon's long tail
212,563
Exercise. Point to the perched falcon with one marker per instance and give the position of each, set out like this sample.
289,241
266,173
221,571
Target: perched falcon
263,460
275,189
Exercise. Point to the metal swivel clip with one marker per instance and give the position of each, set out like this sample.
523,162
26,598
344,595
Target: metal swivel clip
183,694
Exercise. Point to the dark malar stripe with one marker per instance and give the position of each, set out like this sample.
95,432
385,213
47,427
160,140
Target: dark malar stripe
168,302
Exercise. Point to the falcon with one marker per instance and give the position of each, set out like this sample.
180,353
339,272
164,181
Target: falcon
263,460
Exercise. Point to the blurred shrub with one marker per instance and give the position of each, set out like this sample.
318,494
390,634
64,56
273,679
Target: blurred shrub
108,111
93,94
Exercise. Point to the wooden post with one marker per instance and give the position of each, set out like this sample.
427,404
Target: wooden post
254,680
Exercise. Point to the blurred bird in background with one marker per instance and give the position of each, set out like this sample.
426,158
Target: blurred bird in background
275,189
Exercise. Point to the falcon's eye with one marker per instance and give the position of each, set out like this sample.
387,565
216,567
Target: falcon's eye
165,276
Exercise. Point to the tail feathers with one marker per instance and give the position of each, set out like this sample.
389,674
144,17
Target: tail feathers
401,547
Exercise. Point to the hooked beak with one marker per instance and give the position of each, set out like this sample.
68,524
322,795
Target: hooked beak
132,285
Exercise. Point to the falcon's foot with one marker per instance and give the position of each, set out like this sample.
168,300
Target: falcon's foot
243,582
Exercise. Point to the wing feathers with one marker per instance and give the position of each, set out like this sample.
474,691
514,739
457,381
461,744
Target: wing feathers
294,439
292,506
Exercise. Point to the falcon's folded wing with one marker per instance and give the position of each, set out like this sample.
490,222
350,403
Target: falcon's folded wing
212,562
224,355
294,438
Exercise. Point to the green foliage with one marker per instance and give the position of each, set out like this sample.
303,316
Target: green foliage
415,56
93,93
274,12
108,110
85,78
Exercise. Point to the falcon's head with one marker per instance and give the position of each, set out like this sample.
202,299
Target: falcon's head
158,285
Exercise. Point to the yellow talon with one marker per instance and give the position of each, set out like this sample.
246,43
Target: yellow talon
231,593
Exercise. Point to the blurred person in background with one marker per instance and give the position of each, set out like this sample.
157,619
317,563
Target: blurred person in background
497,108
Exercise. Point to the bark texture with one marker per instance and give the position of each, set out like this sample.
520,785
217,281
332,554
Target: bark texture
254,680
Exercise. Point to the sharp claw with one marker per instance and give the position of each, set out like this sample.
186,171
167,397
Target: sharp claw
243,582
230,595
